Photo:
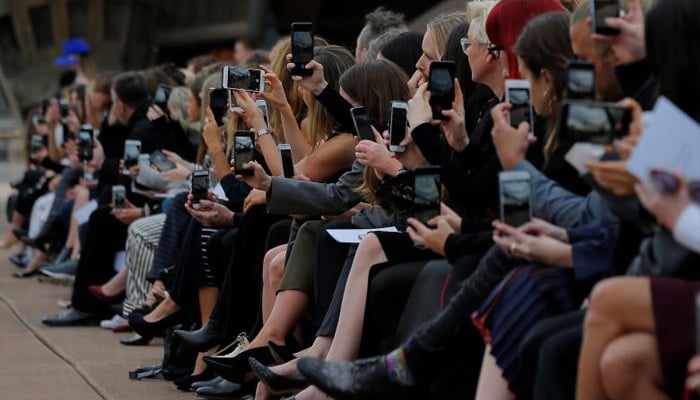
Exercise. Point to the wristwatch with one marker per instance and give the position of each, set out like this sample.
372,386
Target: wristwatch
263,132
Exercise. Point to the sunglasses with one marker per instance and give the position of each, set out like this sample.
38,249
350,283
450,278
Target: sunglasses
668,183
494,50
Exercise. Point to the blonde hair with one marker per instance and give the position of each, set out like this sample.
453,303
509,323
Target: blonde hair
441,27
177,104
475,9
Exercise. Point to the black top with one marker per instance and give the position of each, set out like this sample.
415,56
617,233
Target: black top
637,82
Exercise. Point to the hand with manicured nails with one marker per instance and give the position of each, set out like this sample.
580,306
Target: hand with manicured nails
511,144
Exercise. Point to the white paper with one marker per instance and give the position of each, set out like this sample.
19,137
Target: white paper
670,142
83,213
219,192
582,152
355,235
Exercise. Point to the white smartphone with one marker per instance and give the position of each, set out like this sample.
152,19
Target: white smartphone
398,125
118,196
287,161
519,94
243,78
515,197
262,104
132,151
232,103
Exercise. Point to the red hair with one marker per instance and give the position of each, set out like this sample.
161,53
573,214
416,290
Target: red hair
506,21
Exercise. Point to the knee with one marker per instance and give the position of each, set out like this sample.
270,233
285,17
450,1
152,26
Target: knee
370,249
276,269
620,368
603,299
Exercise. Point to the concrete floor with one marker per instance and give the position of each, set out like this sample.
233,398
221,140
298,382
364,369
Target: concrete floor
42,363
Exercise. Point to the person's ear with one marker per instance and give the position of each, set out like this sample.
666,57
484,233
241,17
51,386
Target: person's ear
546,77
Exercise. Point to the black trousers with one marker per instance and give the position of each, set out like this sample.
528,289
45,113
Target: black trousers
438,341
550,353
184,284
104,237
171,238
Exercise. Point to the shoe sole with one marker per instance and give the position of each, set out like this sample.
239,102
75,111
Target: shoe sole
57,279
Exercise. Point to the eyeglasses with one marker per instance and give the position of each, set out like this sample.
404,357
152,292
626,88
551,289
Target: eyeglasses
667,183
494,50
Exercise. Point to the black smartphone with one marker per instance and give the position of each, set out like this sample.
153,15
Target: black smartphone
199,188
64,108
132,151
362,125
580,81
593,121
302,47
161,97
515,197
218,99
85,143
519,95
602,9
398,124
441,87
118,196
161,162
243,78
243,151
426,193
287,161
36,144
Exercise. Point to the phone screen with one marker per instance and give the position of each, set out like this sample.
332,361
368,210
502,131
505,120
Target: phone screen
217,102
581,83
243,78
515,201
161,97
85,145
287,162
263,107
398,126
362,125
605,9
132,150
426,196
244,146
37,143
119,196
595,122
64,107
161,162
520,99
302,44
441,86
200,187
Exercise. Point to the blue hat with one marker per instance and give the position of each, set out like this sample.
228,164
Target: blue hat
71,49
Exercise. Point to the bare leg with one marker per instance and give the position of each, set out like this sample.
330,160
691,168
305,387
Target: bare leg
617,306
115,285
39,259
81,198
318,349
632,369
165,308
268,294
10,239
346,342
289,307
491,385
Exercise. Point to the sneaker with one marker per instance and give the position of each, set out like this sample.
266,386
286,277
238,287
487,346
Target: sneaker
63,273
116,321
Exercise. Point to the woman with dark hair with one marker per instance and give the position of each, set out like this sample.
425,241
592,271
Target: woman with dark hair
404,50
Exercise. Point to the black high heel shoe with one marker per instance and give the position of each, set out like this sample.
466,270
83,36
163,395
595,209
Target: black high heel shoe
203,338
278,385
237,369
184,383
150,329
282,354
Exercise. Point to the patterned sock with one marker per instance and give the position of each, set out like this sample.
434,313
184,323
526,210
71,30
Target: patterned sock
397,368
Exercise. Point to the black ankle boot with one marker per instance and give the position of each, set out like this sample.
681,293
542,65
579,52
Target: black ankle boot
203,338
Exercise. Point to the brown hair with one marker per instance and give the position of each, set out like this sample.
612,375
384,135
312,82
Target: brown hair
544,44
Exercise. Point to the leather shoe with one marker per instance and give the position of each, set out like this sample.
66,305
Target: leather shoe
226,390
145,328
72,317
184,383
277,384
282,354
237,369
361,379
203,338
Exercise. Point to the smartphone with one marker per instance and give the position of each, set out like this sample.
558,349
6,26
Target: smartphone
218,102
200,186
398,124
287,161
161,162
243,151
302,34
580,81
132,150
161,97
362,125
119,196
85,143
44,106
593,121
426,193
441,86
262,105
518,94
36,144
600,10
64,108
243,78
515,197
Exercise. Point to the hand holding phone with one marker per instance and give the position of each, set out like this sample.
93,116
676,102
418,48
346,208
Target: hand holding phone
398,125
118,196
302,47
132,151
580,82
243,78
518,94
217,103
85,143
362,124
441,86
593,122
161,97
200,187
515,197
287,161
161,162
600,10
243,151
426,193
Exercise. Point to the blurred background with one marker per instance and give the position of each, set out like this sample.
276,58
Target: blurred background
132,34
